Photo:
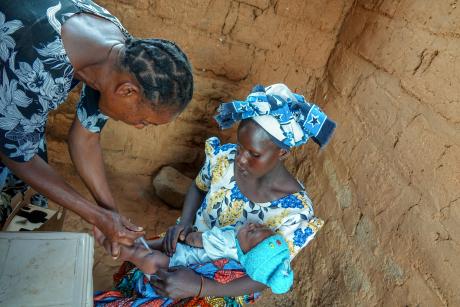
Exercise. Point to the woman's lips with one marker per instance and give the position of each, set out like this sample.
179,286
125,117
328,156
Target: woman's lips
242,169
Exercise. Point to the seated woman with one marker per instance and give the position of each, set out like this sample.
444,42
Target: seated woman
240,183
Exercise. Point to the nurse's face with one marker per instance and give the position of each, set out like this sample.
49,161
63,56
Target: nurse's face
134,110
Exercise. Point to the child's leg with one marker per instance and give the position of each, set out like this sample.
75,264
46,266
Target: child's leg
148,261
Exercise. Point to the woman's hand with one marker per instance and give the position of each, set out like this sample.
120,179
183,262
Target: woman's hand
177,283
192,202
174,234
118,230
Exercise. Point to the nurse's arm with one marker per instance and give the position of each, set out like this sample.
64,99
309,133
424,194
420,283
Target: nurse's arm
45,180
86,153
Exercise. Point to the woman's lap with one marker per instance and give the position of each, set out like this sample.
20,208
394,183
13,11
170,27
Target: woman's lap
133,289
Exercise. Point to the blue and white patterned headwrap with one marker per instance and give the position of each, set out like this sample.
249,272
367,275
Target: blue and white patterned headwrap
286,116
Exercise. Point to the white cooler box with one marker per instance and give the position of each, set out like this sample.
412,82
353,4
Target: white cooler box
46,269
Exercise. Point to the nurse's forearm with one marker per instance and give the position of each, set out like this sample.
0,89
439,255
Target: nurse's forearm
45,180
86,153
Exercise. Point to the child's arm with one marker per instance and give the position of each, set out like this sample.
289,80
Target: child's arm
194,239
149,261
156,244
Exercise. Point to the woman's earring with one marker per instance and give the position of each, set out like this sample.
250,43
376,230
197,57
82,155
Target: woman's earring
284,155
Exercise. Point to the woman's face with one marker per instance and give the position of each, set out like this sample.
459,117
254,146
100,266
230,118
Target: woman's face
136,111
256,154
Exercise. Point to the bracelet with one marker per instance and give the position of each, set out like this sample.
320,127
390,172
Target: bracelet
201,286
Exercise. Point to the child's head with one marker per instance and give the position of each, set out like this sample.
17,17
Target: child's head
265,256
251,234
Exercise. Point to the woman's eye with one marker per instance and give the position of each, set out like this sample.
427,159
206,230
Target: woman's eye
255,155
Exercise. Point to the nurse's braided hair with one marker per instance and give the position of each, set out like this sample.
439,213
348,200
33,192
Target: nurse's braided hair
162,69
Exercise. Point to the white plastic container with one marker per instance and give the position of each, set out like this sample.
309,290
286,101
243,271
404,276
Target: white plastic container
46,269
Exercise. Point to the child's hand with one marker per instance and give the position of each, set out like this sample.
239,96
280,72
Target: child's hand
194,239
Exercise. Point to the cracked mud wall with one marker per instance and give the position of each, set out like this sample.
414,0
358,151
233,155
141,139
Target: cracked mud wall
387,185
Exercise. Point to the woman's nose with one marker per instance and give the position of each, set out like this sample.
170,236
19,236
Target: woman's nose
241,158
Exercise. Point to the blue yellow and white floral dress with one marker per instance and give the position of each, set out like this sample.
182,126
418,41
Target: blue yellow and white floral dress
35,78
225,205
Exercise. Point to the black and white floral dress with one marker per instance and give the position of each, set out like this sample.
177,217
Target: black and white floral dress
35,78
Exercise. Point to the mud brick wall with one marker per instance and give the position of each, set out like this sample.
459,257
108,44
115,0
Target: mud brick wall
389,183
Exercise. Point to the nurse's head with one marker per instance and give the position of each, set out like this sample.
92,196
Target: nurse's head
154,83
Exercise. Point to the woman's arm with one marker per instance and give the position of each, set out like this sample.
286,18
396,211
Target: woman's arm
181,283
192,202
86,153
45,180
237,287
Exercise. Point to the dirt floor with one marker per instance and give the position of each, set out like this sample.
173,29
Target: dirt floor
135,201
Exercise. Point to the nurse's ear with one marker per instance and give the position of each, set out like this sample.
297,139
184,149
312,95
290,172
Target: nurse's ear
127,89
129,93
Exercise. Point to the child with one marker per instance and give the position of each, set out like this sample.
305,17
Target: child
263,254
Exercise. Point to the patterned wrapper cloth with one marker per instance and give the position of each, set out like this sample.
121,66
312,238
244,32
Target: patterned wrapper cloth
133,288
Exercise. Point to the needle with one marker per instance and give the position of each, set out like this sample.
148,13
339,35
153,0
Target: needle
142,240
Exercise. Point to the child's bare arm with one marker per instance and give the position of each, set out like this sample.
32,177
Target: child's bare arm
156,244
194,239
149,261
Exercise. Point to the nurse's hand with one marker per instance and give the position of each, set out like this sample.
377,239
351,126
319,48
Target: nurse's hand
118,230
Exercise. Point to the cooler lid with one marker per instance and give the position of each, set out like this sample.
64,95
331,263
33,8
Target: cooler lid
46,269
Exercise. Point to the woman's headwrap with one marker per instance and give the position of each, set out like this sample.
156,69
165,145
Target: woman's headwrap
286,116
